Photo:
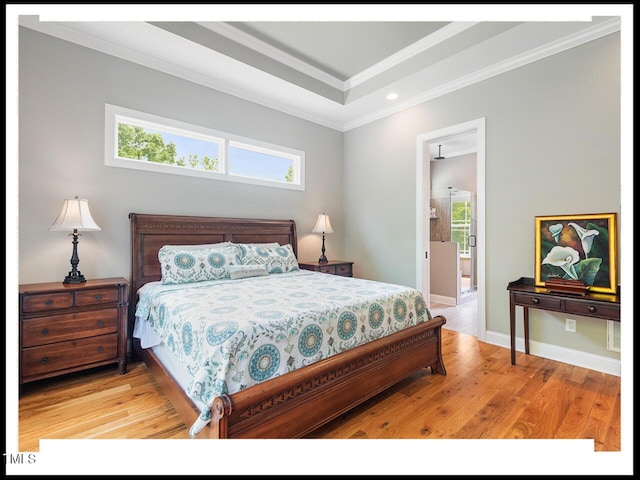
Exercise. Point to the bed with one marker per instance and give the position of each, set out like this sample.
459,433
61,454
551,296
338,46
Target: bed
305,393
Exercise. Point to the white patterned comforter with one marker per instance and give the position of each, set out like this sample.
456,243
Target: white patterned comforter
232,334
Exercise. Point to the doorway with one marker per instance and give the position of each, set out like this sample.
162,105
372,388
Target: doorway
423,209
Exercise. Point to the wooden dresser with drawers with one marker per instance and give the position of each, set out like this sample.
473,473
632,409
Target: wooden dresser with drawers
70,327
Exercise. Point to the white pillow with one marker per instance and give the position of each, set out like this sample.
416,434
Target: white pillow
278,259
245,271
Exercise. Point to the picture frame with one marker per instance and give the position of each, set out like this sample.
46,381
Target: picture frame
579,247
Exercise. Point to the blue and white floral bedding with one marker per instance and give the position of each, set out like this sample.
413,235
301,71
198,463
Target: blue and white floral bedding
232,334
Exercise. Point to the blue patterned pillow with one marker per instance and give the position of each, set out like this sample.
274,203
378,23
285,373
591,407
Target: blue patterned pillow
246,271
189,264
279,259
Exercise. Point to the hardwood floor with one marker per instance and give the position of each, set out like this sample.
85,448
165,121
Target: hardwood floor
464,316
482,396
461,318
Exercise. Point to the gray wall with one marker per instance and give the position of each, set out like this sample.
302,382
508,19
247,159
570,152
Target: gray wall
552,147
445,263
457,172
62,92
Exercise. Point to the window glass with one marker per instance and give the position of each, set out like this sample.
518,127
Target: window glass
461,222
158,146
148,142
260,163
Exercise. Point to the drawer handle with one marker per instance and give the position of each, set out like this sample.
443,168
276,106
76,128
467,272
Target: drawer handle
99,349
48,302
97,297
100,323
592,309
44,331
44,360
535,301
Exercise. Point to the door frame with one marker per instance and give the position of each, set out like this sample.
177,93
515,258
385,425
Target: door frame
423,196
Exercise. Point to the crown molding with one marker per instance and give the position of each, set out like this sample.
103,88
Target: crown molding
249,41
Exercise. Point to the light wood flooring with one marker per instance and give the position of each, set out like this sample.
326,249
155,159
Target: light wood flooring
461,318
482,396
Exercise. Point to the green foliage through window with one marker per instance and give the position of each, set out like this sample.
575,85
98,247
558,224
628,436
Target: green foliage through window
461,224
137,143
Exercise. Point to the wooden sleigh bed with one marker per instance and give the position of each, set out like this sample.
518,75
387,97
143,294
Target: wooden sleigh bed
296,403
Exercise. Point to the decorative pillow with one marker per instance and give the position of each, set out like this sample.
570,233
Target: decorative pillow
245,271
190,263
278,259
196,247
265,245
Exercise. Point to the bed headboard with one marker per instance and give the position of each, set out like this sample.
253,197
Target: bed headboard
149,232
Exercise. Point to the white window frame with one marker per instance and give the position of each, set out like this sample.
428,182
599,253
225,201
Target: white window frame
115,114
464,227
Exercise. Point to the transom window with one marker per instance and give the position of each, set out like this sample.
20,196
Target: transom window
143,141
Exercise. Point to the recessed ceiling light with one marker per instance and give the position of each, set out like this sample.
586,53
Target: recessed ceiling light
392,96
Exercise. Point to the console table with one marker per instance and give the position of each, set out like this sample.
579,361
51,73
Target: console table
523,292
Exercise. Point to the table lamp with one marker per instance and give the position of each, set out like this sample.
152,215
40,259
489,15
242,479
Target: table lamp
75,216
323,225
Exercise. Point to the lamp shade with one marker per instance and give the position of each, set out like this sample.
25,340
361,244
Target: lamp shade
323,225
75,215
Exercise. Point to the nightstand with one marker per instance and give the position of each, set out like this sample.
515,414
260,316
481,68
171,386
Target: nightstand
69,327
334,267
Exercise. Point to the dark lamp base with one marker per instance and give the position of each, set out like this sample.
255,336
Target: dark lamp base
74,277
323,257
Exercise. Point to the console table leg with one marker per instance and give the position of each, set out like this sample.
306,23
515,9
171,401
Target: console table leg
512,329
526,330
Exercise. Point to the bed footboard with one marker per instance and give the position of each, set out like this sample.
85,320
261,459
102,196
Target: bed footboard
298,402
295,404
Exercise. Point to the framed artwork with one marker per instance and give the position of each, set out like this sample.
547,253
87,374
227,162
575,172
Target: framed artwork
577,247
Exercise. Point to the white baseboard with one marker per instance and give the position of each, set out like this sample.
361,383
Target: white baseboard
442,299
598,363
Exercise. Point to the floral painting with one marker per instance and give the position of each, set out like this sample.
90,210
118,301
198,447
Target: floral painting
577,247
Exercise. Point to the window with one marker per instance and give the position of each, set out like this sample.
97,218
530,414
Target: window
143,141
461,221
